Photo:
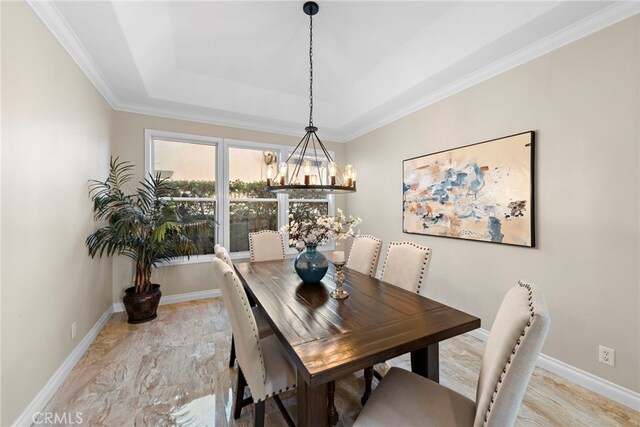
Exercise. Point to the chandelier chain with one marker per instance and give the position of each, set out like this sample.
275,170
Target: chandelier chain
295,175
310,70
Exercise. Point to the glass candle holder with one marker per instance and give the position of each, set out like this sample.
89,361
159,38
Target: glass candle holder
339,293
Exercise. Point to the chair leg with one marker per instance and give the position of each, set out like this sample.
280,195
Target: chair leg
368,378
232,355
283,411
258,418
240,385
331,407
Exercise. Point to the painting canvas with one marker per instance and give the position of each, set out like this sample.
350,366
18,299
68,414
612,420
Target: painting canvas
479,192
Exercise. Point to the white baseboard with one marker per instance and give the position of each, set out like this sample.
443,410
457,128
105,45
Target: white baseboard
56,380
172,299
606,388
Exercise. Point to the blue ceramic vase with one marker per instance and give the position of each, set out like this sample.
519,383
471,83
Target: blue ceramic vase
311,265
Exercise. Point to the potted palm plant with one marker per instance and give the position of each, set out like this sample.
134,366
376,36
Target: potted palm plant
144,226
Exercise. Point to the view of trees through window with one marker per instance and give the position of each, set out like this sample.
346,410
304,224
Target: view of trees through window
196,201
251,208
191,169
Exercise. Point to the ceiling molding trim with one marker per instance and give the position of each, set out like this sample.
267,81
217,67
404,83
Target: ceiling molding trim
58,26
596,22
177,114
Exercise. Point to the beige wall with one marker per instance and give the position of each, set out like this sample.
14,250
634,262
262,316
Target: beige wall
129,145
582,100
56,132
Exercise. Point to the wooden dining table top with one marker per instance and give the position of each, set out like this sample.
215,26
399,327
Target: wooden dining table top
327,338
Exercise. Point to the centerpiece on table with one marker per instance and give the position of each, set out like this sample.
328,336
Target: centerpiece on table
312,265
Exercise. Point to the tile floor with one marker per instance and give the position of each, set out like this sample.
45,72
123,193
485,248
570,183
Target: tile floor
173,372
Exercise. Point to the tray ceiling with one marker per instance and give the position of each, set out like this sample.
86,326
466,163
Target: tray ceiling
245,64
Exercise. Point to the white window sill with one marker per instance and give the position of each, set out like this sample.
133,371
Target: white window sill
235,256
196,259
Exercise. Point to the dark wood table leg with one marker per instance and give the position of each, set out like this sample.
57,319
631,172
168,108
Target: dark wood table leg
312,404
332,412
426,362
368,378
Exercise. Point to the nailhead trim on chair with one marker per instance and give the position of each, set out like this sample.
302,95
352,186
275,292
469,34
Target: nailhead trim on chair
424,262
263,232
276,392
240,290
375,258
513,352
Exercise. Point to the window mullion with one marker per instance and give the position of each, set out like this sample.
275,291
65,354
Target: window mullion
223,176
222,199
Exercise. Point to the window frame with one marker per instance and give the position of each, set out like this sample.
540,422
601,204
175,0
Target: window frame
247,145
222,199
152,134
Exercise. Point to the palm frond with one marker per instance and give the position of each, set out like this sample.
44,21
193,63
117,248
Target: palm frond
144,226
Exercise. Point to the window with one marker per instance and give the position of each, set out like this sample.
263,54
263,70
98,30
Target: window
190,166
224,180
251,208
304,207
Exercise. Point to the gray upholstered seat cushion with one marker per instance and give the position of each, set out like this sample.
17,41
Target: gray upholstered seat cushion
393,403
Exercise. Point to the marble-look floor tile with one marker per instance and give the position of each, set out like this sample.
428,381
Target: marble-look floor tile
173,372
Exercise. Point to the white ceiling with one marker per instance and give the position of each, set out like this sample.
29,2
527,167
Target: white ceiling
245,64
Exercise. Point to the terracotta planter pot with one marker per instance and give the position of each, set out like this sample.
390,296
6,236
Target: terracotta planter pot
142,307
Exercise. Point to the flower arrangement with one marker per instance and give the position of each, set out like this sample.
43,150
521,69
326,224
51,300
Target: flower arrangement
324,227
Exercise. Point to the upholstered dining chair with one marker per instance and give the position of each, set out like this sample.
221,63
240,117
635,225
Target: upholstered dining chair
263,365
364,254
264,329
406,266
223,254
266,245
519,330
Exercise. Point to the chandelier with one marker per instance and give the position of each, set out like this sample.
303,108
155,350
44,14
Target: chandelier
312,169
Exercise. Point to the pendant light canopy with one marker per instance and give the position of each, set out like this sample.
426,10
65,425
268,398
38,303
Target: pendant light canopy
310,168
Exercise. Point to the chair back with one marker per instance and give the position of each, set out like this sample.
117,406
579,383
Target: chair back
364,254
266,245
516,338
406,265
243,325
216,248
224,256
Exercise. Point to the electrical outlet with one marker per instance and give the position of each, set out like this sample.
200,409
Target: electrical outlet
73,330
607,356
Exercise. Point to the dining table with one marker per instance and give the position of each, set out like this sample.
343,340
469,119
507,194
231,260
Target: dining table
328,339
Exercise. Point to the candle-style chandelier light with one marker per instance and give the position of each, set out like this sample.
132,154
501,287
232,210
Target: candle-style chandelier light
313,169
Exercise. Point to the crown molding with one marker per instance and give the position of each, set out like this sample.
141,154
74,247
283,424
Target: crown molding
596,22
255,124
55,22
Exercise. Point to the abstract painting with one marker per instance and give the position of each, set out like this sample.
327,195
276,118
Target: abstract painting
479,192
